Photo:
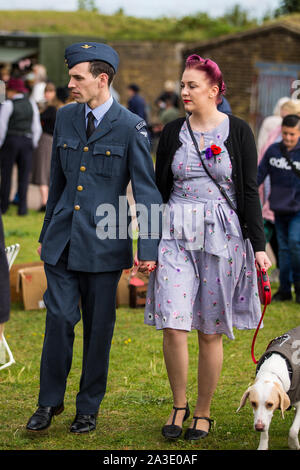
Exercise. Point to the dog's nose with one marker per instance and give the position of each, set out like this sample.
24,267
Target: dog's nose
259,426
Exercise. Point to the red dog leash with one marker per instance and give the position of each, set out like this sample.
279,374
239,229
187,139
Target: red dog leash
265,296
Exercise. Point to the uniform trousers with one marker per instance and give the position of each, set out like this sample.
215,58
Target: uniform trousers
16,149
97,292
4,280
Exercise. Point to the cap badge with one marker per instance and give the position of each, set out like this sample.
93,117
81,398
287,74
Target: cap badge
86,46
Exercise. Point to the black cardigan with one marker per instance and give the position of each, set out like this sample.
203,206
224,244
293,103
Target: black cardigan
243,155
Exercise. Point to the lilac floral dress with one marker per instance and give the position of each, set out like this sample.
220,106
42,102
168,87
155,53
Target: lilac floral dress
205,277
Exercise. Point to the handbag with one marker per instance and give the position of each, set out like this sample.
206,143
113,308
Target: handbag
221,189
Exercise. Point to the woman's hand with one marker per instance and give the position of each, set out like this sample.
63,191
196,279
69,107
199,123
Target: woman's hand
142,266
263,260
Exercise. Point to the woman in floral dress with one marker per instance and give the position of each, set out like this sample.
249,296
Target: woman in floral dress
206,276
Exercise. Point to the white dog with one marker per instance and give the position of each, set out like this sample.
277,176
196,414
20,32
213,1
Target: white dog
277,385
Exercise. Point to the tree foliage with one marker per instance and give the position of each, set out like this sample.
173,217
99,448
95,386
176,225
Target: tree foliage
287,7
86,5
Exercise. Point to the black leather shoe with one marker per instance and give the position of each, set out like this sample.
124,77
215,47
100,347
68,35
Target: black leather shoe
281,296
41,419
193,434
173,431
83,423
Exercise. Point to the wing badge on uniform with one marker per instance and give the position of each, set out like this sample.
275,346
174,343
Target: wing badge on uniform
144,133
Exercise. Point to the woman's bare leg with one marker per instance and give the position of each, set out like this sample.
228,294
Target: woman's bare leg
209,370
44,191
175,348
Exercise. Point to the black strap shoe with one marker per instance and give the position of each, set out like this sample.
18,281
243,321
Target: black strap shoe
173,431
41,419
83,423
193,434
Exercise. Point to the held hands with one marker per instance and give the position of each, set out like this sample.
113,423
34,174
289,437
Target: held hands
142,266
263,260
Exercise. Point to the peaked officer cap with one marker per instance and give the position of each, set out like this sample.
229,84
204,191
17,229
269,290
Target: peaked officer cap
89,51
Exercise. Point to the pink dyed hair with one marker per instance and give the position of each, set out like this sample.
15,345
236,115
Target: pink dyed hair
210,68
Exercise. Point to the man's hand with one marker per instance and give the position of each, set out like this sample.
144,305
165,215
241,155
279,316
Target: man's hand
142,266
39,250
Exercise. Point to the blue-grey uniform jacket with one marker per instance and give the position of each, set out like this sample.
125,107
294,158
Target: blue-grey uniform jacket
88,177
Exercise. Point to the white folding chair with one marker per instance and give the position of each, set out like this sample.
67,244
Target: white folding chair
11,253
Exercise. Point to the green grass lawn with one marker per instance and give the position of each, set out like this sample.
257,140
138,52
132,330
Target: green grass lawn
138,399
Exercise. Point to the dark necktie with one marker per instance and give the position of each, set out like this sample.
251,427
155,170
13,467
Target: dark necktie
90,125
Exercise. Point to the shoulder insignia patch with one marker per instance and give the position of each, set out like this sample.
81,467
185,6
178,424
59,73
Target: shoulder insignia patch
140,125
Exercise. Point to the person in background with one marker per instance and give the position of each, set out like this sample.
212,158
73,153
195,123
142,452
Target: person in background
39,84
5,73
224,106
205,277
136,103
270,133
169,113
168,93
42,154
20,131
4,283
114,93
282,163
270,128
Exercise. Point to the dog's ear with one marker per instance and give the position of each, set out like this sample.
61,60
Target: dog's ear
284,401
243,399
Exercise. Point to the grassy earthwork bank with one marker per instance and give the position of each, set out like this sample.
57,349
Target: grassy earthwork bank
138,398
121,27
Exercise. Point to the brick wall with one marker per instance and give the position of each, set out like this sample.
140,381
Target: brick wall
149,65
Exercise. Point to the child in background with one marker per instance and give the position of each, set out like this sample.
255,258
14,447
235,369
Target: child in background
282,162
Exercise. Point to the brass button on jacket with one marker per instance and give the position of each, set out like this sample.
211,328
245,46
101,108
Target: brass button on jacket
85,149
107,153
79,188
65,146
77,207
82,168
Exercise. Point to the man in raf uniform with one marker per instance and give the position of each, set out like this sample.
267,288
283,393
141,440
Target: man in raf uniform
98,147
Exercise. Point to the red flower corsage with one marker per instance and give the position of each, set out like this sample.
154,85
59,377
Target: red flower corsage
215,149
212,151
